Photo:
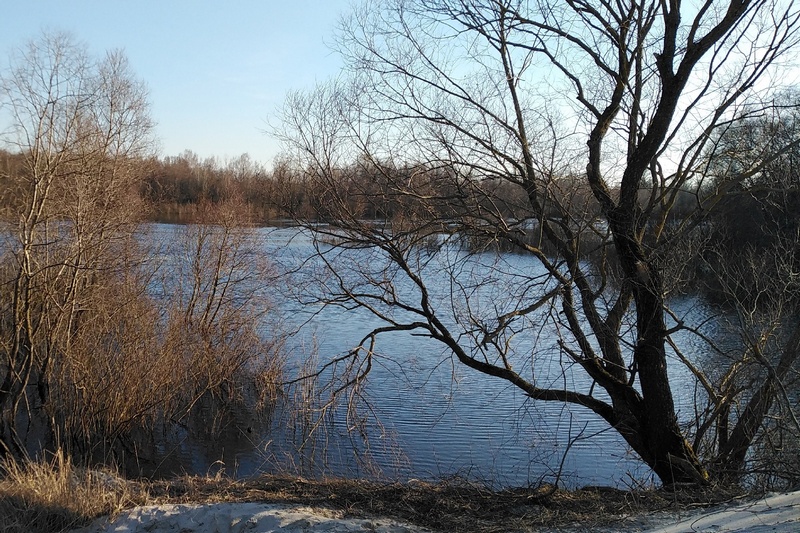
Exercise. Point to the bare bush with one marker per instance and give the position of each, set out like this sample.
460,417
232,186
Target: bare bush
92,353
79,124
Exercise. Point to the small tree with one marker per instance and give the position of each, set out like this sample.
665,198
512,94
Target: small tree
553,99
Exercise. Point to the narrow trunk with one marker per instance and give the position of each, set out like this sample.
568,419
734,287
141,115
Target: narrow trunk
730,461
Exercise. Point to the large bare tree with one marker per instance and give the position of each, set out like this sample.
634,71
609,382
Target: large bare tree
575,133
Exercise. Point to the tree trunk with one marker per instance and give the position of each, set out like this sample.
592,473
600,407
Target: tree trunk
664,447
666,450
730,460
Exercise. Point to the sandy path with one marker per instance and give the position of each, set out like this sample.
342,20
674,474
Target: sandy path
774,512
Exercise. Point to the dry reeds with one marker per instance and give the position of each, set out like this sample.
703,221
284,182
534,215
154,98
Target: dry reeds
56,495
450,505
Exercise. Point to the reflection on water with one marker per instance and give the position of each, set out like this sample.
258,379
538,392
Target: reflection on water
425,417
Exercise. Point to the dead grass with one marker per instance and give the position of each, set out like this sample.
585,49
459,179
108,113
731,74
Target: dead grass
57,496
453,505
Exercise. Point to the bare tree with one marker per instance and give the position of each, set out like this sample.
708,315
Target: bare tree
80,126
751,417
750,263
92,356
555,100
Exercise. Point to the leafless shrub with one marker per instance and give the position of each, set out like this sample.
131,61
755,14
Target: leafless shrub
90,355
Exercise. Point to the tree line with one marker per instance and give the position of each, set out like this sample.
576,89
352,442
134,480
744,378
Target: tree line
753,215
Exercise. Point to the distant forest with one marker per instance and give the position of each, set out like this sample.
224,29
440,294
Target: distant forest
759,214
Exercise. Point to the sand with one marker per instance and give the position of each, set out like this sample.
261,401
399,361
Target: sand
778,513
240,517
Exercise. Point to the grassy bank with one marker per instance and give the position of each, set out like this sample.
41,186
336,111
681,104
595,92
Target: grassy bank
59,496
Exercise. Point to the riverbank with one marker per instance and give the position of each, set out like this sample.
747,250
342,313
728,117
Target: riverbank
775,513
65,498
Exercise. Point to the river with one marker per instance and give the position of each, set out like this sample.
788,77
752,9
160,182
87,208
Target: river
422,415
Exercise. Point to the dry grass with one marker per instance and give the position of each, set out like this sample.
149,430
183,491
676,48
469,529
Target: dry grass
57,496
453,505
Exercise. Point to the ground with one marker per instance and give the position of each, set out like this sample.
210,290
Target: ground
296,505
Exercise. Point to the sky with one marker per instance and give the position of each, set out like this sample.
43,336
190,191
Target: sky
217,72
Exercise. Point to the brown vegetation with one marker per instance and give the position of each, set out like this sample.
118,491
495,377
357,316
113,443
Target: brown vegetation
100,341
57,496
92,354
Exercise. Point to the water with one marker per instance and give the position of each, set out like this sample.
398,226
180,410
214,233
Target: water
422,415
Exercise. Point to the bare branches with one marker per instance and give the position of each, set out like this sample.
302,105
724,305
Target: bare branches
570,133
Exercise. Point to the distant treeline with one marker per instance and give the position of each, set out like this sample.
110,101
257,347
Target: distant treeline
761,213
174,187
758,214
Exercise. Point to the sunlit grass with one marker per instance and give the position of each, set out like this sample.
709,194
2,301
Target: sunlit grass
56,495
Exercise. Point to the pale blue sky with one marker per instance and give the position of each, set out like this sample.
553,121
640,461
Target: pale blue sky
217,71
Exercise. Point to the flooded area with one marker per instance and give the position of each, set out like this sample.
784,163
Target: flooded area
421,415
